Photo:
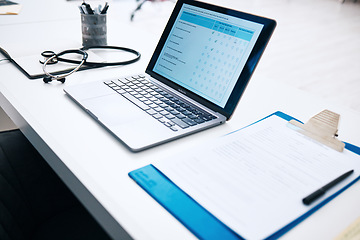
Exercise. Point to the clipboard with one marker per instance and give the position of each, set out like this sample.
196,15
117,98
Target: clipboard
196,218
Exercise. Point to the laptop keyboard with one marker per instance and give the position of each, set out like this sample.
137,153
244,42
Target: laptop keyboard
166,108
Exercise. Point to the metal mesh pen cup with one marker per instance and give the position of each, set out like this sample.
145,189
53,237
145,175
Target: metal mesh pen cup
93,27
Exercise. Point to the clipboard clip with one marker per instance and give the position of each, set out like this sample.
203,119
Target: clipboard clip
323,127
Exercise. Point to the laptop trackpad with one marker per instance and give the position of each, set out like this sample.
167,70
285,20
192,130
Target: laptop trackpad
113,110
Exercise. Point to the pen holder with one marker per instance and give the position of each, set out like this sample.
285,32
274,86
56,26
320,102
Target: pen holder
93,27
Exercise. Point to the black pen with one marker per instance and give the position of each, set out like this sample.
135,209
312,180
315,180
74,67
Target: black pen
105,9
315,195
88,8
81,10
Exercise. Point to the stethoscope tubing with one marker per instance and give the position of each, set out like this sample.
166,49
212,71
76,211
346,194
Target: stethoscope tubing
103,64
53,58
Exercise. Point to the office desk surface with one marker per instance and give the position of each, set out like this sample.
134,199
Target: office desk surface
95,165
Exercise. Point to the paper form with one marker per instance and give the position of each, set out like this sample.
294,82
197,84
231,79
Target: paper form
254,180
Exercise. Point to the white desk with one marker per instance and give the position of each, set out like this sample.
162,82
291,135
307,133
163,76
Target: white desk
95,165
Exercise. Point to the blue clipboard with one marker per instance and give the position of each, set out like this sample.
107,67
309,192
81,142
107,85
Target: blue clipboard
196,218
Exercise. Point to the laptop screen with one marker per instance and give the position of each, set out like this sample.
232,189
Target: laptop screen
204,50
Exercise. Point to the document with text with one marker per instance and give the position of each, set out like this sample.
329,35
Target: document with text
254,180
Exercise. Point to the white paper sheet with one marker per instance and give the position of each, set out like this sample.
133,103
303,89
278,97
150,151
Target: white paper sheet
254,180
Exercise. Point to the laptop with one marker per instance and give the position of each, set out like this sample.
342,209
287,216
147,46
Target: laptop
194,80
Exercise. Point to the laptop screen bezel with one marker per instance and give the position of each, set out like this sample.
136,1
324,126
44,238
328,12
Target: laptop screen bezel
245,75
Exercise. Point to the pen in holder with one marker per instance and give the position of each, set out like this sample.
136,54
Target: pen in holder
94,32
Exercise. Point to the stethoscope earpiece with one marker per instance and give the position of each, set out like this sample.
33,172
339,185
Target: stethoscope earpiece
48,79
61,78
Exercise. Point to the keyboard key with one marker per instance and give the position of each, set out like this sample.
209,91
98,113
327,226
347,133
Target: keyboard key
158,109
207,117
180,123
136,101
148,102
169,116
167,108
174,128
119,83
192,116
198,120
121,91
169,124
162,120
180,116
163,112
151,111
163,105
157,115
116,87
189,121
152,98
123,80
108,82
186,113
153,105
174,112
180,109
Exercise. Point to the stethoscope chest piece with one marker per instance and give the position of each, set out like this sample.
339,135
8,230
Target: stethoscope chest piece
47,55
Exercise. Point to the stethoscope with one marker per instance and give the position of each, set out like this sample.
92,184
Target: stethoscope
52,58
